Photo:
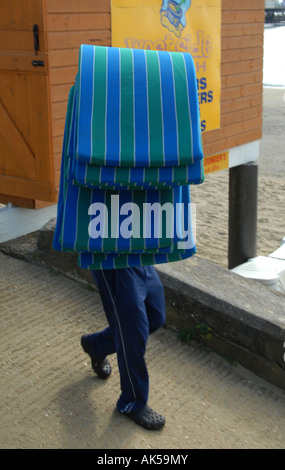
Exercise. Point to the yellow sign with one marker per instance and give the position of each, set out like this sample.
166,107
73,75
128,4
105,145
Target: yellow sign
192,26
217,162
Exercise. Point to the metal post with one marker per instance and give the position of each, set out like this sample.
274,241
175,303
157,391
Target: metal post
243,181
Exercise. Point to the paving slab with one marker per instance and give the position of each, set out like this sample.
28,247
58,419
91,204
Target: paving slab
50,398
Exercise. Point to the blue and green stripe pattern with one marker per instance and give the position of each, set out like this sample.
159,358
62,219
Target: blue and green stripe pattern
132,138
136,119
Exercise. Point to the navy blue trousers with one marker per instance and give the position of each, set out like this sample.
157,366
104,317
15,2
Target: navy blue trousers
133,300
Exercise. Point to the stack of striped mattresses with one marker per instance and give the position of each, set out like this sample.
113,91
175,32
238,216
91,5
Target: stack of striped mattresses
132,147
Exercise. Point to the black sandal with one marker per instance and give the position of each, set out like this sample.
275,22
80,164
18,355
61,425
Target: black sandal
147,418
102,368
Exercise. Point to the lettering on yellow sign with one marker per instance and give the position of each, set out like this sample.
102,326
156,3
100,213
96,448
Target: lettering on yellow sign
217,162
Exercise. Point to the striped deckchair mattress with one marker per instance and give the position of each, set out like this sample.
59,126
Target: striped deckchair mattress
132,139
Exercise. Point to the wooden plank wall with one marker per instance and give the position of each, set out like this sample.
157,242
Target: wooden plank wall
242,72
70,23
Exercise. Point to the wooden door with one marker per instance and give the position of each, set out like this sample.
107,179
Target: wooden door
26,170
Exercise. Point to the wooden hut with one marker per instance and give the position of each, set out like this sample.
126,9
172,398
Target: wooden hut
39,43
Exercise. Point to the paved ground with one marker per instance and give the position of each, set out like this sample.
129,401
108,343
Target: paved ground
51,399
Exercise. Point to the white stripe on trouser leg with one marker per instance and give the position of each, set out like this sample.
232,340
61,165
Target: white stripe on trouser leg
121,334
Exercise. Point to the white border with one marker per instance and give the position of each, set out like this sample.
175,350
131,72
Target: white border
244,154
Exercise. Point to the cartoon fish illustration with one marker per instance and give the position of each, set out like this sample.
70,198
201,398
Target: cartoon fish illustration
172,15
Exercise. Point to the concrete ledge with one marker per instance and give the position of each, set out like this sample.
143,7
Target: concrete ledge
36,248
244,320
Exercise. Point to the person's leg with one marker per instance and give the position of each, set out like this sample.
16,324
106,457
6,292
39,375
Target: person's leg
102,343
128,320
155,301
149,310
124,294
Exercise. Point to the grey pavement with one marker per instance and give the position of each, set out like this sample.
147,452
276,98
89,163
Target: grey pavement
50,398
